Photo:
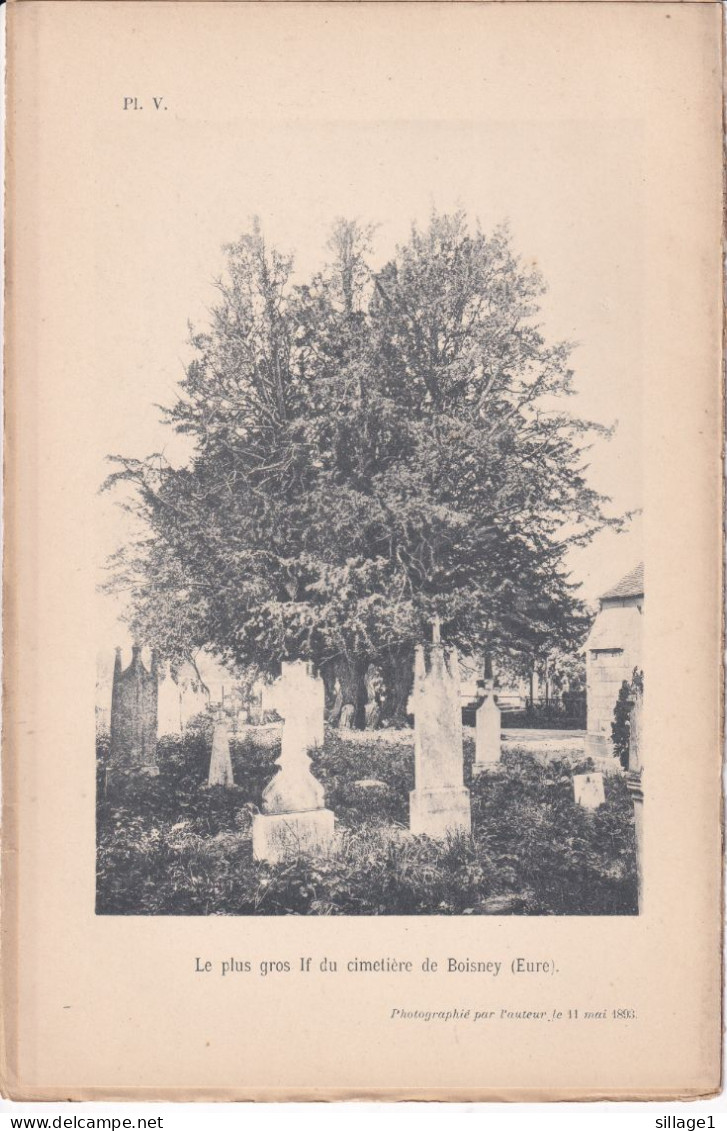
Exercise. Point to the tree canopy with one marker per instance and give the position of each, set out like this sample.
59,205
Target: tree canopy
370,449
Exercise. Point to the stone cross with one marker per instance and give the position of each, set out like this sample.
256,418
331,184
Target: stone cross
439,803
220,760
294,819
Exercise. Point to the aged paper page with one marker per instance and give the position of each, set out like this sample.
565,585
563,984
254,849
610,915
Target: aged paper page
481,940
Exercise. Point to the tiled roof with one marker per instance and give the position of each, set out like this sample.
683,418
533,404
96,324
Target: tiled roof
632,585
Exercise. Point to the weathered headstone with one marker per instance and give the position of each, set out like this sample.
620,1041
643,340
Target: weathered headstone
220,760
588,790
134,715
294,819
634,779
169,705
487,733
439,803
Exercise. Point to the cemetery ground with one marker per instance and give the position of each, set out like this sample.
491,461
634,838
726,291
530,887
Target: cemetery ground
170,845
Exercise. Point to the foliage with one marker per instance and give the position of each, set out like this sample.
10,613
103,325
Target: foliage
370,449
169,845
621,725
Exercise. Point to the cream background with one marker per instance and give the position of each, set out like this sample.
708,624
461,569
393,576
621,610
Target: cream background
607,113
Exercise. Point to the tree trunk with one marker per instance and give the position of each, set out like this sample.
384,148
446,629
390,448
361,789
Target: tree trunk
352,678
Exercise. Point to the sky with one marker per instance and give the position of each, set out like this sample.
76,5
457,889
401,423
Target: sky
569,189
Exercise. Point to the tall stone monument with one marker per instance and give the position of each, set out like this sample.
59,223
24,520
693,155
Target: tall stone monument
134,715
439,803
294,819
220,760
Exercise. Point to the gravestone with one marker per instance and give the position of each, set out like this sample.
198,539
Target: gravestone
134,715
334,714
169,705
220,760
487,733
439,803
294,819
194,701
588,790
634,783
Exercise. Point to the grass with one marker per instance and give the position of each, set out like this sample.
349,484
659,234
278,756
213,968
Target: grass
171,846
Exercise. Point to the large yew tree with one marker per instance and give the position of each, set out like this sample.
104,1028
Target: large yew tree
369,450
